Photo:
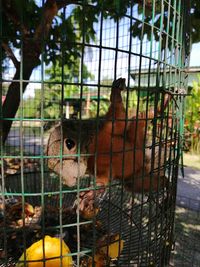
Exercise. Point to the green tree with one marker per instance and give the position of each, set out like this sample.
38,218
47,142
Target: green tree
192,117
193,105
50,33
45,32
51,94
57,74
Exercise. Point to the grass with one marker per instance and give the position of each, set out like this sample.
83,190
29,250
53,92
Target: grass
191,160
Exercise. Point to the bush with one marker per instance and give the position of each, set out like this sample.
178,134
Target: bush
192,118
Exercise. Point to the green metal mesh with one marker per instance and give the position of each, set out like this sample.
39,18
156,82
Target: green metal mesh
144,43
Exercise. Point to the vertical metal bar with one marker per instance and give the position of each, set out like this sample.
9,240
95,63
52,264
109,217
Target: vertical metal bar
122,199
2,175
41,156
172,71
153,145
178,133
167,234
162,249
21,137
150,73
112,134
136,128
185,31
63,16
98,116
173,134
80,129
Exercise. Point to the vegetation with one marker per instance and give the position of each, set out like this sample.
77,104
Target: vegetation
54,93
191,160
55,31
192,119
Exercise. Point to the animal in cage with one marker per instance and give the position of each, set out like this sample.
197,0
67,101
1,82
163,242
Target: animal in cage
119,171
112,147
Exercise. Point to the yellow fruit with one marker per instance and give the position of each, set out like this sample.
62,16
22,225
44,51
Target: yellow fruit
114,248
52,249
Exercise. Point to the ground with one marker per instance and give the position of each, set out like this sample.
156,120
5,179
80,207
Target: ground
188,189
187,222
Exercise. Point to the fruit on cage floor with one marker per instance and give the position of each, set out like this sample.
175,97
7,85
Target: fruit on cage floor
52,254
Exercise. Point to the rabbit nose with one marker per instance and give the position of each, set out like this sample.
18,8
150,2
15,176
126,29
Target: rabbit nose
70,143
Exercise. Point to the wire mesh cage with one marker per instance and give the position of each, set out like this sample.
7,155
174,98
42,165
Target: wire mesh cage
91,131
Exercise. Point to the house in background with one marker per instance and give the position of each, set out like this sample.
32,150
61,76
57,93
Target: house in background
146,79
142,79
193,75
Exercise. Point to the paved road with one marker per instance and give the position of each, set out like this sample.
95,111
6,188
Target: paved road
31,142
188,191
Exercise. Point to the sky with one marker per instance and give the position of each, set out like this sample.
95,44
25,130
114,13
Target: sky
194,61
195,55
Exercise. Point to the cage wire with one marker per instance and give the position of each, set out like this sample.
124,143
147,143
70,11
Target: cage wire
93,152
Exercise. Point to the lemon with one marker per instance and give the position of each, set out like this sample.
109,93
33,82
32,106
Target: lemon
52,249
114,248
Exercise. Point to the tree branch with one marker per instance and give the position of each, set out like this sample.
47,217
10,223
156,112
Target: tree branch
10,54
32,48
31,51
49,12
11,14
64,3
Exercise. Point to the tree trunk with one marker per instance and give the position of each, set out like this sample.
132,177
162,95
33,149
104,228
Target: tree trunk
11,104
31,50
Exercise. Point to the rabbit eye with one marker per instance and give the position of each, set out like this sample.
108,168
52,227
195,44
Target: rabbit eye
69,143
